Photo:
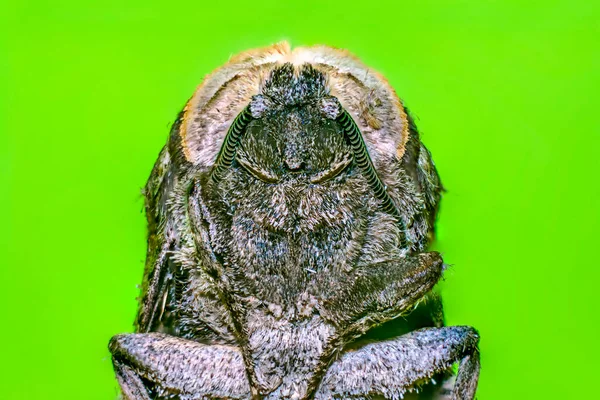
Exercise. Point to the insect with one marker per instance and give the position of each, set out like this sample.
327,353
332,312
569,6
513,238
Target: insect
288,215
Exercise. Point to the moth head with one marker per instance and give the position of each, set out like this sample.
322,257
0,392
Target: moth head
293,142
294,130
288,132
311,116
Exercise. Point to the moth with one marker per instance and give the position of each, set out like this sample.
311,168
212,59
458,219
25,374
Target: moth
288,217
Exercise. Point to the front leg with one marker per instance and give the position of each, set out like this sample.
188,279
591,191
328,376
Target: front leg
374,294
393,367
156,366
370,295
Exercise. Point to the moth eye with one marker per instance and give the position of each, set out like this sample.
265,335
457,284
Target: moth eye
332,172
257,172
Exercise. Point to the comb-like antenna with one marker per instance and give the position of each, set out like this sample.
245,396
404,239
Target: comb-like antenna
363,160
230,143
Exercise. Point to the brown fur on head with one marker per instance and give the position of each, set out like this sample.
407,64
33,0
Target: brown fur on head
388,131
224,93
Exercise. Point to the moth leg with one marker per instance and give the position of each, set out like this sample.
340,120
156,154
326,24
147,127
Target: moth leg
392,368
157,366
376,293
132,386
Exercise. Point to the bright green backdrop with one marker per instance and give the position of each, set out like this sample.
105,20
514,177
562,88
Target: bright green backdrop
505,94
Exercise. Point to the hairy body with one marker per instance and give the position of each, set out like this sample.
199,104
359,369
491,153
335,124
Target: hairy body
288,216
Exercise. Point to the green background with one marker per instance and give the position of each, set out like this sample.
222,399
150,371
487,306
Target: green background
506,97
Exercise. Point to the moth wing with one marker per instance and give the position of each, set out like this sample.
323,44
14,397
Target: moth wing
159,269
